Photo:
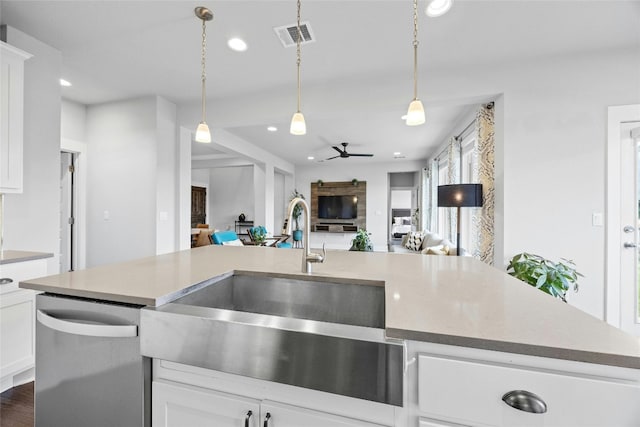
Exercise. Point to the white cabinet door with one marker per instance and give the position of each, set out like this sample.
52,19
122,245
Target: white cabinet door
17,322
180,405
17,352
470,392
11,117
280,415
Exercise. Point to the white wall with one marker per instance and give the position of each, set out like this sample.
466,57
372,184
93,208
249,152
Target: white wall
377,178
167,177
32,219
132,147
231,193
401,199
73,121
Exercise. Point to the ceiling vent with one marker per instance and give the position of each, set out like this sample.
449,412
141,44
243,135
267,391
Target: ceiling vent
287,34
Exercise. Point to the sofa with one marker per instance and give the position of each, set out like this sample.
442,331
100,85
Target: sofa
429,244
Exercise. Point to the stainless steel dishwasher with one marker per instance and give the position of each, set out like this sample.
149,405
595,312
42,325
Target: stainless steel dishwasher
89,371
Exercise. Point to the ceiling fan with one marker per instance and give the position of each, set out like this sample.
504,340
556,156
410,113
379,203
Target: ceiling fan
344,154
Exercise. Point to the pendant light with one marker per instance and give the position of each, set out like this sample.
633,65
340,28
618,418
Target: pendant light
202,133
298,125
415,114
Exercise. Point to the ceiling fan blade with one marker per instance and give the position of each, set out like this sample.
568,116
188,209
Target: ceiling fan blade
334,157
338,150
360,155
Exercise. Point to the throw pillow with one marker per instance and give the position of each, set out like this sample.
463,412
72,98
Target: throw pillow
436,250
414,240
235,242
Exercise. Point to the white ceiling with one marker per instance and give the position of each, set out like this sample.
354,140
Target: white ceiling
121,49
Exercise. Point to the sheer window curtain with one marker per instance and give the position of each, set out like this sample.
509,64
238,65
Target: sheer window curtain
483,218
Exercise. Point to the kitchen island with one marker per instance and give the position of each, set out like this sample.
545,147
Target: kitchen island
465,326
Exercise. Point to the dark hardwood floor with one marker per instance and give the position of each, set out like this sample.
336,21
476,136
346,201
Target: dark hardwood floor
16,406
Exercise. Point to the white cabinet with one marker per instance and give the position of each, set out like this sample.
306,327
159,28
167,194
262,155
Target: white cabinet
468,389
11,117
17,322
179,405
191,396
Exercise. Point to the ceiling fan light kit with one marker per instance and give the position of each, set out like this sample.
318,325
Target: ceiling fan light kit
437,8
202,132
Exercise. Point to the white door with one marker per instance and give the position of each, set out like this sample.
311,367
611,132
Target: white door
181,405
623,218
630,221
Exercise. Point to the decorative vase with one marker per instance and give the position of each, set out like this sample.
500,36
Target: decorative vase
297,235
241,217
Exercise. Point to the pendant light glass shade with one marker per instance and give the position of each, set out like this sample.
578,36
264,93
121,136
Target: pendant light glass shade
202,133
415,114
298,125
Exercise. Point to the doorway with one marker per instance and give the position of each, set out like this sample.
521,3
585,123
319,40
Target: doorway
67,211
623,218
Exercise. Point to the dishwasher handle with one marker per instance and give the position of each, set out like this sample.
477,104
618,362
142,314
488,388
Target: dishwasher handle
87,329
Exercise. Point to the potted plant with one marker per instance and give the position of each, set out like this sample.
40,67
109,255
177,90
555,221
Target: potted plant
297,214
354,182
361,241
320,182
554,278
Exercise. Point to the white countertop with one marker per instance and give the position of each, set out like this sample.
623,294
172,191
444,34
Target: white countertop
443,299
8,256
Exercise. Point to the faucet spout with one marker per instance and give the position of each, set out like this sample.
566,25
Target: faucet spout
307,256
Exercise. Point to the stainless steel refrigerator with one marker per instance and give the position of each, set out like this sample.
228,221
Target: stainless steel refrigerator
89,371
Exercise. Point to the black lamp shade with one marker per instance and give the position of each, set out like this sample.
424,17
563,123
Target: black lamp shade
460,195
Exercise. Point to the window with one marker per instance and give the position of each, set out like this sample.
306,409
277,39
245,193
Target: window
468,174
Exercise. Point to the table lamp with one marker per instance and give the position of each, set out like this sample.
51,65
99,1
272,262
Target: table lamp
458,196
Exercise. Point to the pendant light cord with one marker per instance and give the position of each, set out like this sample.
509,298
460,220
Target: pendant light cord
298,37
415,49
204,74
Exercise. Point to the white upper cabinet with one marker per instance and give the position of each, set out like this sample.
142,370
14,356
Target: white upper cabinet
11,117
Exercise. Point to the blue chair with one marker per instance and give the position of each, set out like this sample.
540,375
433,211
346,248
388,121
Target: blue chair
224,236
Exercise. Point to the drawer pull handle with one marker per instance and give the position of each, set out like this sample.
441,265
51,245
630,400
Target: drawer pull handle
5,281
266,419
247,418
526,401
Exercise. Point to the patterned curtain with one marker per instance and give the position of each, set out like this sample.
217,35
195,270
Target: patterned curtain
453,157
483,218
433,196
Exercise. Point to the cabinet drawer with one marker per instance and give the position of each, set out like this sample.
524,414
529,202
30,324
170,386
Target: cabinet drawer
470,392
19,271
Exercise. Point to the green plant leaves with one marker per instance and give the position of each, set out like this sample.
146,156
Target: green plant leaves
552,278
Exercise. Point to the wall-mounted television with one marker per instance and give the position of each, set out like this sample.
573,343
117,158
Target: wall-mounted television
337,207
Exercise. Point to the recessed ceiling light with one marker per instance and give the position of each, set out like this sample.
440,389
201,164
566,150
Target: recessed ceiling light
272,128
437,8
397,153
310,158
237,44
403,117
64,83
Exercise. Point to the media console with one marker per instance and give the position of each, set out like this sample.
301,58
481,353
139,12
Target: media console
347,224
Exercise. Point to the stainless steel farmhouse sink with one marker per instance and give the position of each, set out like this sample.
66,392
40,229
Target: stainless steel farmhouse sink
315,332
